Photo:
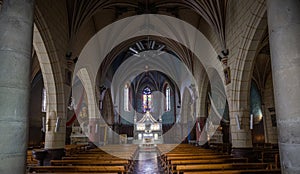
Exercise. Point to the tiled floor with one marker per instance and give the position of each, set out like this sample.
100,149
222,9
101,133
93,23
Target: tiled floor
148,164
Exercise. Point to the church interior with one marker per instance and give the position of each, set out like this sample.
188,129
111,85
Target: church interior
150,86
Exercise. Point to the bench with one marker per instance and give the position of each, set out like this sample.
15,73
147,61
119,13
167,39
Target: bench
267,155
30,161
92,158
63,169
252,171
197,157
187,152
205,167
167,162
174,163
89,162
220,147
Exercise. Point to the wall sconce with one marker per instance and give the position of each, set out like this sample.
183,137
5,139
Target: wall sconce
238,123
57,124
251,121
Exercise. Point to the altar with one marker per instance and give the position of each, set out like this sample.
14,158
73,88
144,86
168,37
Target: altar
148,131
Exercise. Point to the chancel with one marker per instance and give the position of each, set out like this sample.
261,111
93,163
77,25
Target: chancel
148,131
149,86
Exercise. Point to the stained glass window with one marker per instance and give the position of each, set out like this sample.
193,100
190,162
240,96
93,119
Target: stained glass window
255,103
44,100
147,99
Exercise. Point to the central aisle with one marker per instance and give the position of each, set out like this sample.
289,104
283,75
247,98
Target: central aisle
147,163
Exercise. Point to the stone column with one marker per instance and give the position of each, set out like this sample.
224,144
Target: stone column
284,33
16,27
54,138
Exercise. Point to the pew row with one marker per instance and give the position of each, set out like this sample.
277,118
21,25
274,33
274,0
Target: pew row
252,171
80,169
92,161
230,166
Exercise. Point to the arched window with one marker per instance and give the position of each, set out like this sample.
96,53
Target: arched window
44,100
126,98
168,98
255,103
147,99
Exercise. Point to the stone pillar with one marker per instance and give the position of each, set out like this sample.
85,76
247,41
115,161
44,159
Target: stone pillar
55,137
16,27
284,33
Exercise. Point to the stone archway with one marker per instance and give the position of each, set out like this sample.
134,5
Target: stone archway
53,83
241,73
46,69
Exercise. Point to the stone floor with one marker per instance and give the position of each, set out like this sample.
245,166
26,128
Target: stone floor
147,163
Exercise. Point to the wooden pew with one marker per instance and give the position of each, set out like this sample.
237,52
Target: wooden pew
123,151
223,167
196,157
252,171
92,158
112,160
90,162
268,155
187,152
164,148
111,155
174,163
192,160
123,155
210,161
220,147
167,161
184,153
64,169
30,160
74,148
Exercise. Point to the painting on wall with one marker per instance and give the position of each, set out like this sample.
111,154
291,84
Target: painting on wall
227,75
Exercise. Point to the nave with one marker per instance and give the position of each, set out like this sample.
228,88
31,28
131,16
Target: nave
165,158
218,77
